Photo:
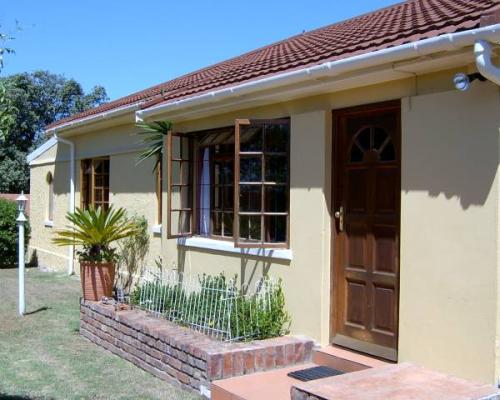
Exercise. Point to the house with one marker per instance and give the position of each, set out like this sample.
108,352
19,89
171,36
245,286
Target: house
357,162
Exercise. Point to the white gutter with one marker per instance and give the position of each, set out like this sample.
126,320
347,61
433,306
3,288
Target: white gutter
483,52
442,43
95,118
71,249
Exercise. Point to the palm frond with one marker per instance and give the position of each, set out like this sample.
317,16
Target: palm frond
95,227
153,137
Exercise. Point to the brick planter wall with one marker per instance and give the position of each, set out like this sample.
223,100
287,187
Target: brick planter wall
180,355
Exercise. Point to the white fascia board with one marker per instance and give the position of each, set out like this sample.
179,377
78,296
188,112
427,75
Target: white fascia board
40,150
95,118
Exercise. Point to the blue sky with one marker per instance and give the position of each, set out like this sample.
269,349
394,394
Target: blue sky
129,45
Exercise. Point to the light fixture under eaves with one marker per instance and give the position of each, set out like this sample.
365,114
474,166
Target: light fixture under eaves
462,81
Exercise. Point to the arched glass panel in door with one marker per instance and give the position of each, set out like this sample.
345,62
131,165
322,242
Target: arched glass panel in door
372,139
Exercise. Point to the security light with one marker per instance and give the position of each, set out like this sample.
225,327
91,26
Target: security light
462,81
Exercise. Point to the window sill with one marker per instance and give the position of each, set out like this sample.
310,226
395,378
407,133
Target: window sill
156,229
48,224
228,247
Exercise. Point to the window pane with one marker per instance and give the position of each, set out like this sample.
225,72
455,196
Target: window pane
98,195
276,198
363,139
180,222
228,198
184,172
98,167
380,137
98,180
388,153
216,223
356,154
228,224
276,169
176,173
251,138
180,197
275,228
276,138
217,173
250,227
250,198
228,173
217,199
250,169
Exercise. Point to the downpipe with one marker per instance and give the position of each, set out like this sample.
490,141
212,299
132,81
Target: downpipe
71,249
484,52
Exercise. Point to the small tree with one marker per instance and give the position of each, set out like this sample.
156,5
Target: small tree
8,233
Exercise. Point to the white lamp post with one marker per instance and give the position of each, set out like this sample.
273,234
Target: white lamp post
21,219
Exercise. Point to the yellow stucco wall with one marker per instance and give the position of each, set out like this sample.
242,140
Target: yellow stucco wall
449,230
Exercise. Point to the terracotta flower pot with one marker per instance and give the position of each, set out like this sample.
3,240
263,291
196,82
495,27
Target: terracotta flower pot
97,280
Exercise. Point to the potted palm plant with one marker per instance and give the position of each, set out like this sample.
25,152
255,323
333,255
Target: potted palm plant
94,230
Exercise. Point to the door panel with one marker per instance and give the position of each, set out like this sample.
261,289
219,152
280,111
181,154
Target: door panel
366,193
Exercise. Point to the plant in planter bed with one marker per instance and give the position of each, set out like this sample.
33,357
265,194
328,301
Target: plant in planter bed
219,306
95,230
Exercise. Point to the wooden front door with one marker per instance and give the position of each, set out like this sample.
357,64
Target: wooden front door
366,201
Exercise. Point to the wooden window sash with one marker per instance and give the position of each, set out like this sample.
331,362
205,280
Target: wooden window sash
262,243
159,192
88,186
184,162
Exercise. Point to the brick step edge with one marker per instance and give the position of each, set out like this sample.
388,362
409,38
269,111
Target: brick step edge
181,356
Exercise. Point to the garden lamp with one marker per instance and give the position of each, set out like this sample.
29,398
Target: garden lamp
21,219
21,202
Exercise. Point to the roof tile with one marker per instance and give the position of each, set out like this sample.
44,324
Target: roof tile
398,24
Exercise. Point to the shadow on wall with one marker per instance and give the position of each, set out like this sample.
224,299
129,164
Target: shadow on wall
454,151
252,268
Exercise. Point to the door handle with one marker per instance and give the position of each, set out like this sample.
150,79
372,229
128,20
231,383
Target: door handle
340,216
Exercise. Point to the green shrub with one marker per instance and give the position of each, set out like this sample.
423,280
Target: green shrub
218,307
8,233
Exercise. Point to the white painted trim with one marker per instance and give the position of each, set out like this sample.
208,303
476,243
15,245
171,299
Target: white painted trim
96,117
48,223
41,149
156,229
228,247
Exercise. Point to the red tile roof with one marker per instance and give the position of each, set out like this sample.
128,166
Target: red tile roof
401,23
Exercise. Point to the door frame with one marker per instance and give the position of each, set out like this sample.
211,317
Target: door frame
345,341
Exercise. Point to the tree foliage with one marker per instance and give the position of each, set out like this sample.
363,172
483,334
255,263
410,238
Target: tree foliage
8,233
32,101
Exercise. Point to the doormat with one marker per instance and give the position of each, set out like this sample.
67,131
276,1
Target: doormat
311,374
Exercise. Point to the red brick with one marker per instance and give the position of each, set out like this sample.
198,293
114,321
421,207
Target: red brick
249,361
227,365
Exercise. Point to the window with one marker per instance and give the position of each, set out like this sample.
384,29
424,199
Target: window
50,201
215,183
95,183
262,183
241,183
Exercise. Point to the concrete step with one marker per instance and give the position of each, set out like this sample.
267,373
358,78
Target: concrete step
345,360
395,382
275,385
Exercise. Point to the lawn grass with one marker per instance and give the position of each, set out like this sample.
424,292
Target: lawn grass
42,355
